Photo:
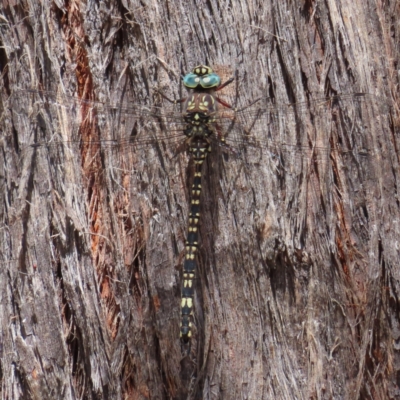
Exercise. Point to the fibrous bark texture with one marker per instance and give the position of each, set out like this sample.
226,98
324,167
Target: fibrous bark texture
298,280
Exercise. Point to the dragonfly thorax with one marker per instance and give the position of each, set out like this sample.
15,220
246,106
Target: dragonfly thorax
202,103
200,115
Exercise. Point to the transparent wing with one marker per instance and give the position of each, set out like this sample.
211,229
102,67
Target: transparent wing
298,130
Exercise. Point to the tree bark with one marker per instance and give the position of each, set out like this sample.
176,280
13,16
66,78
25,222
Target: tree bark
298,266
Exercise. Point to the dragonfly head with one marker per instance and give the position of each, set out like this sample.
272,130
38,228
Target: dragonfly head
201,77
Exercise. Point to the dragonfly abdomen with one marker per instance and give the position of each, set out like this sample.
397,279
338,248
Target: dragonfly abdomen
199,148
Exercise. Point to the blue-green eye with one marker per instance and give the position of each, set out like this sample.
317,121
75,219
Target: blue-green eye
210,80
198,78
191,80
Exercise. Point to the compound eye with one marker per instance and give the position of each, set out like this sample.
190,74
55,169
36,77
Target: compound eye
210,81
201,76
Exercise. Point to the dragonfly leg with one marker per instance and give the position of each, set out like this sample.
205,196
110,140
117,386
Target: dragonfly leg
222,85
224,103
170,100
227,105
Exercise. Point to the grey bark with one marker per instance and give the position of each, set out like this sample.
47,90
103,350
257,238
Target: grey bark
298,282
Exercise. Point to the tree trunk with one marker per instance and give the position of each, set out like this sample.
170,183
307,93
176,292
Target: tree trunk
297,284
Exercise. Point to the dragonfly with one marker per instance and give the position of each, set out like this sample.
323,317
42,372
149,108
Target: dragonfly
287,135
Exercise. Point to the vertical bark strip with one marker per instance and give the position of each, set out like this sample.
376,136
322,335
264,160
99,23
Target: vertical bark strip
297,280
